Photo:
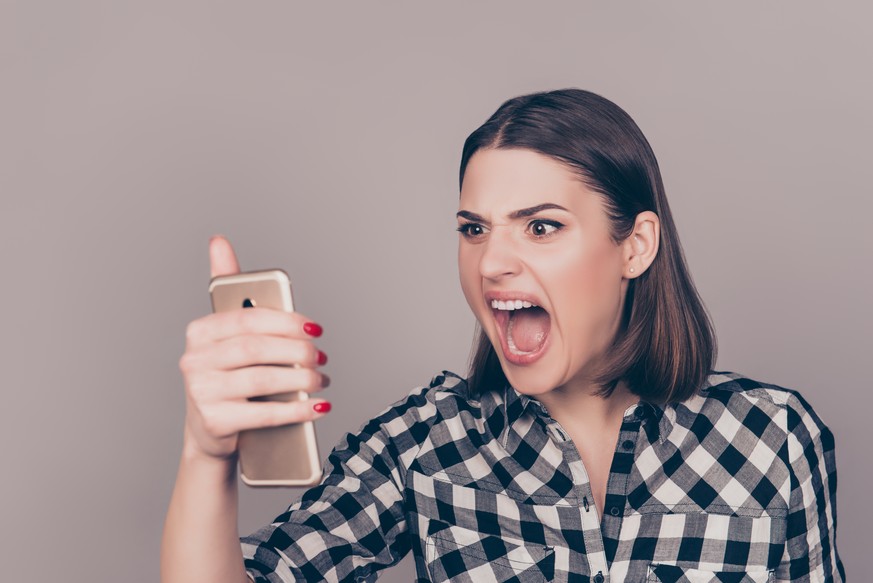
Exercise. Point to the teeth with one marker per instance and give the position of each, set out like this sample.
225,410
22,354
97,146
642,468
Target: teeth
511,304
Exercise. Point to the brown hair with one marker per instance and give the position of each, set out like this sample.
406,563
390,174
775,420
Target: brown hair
666,344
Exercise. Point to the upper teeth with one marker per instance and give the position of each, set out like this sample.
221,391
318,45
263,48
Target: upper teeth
510,305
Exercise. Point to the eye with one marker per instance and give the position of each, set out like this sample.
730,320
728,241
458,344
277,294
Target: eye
542,228
470,230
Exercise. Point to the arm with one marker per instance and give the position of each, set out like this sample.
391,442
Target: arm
200,541
231,357
810,548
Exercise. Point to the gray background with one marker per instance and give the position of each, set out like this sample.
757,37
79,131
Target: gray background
325,139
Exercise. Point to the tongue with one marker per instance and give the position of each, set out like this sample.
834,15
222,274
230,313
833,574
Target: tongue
528,328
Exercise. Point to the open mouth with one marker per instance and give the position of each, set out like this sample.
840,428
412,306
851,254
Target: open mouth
524,330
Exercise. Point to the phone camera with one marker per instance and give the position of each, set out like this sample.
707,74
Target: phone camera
248,303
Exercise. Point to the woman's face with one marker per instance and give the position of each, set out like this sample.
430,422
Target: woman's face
561,259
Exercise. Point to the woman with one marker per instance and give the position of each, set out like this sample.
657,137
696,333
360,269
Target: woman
591,440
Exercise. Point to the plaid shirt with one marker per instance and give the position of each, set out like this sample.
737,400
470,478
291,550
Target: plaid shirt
736,484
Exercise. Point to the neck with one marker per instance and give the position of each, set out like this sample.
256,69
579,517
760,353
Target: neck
580,406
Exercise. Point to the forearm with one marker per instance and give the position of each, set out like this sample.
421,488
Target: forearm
200,540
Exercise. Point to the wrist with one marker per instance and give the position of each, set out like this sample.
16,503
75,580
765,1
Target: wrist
215,470
192,453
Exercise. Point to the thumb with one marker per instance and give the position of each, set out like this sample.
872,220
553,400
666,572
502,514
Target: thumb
222,259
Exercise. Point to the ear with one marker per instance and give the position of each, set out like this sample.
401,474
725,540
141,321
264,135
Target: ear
641,246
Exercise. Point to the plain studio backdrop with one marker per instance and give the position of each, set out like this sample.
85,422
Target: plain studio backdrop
325,139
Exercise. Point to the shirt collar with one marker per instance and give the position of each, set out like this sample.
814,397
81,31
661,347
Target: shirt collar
517,403
657,419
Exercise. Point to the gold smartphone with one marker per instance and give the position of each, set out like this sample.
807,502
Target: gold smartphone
270,456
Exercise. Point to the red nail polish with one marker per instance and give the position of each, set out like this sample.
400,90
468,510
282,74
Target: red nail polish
312,329
322,407
322,357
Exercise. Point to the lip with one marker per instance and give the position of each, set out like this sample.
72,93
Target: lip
500,323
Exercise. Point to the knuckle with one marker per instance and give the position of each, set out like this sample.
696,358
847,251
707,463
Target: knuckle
198,390
313,378
185,362
295,323
244,321
250,348
192,332
265,377
270,415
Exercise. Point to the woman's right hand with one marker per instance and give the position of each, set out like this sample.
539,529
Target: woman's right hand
231,356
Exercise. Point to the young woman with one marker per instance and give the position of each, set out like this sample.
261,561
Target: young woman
591,439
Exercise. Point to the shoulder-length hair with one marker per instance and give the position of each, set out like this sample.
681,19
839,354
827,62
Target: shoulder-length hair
666,344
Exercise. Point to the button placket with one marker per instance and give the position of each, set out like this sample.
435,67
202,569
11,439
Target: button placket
592,535
616,487
557,433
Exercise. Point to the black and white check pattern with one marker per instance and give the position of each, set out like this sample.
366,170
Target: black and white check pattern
737,484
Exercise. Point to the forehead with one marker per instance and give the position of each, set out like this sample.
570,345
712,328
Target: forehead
499,181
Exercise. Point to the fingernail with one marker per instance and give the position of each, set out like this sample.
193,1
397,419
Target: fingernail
322,358
312,329
325,380
322,407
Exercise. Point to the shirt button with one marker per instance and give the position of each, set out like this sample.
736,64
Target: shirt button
598,578
628,444
615,511
640,412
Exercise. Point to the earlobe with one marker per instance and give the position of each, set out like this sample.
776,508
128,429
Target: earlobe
634,254
636,251
643,246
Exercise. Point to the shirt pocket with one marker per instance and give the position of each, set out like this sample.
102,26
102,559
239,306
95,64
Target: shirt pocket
477,532
454,553
708,541
663,573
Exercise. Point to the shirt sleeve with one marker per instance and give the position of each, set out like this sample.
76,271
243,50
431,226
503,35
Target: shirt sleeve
352,524
810,550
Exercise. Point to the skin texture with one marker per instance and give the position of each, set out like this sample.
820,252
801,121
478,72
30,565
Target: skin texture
229,356
578,272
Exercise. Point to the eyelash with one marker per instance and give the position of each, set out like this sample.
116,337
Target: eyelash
464,229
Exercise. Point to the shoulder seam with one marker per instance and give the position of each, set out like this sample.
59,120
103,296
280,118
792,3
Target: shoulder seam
751,388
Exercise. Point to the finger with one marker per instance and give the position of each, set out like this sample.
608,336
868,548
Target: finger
257,320
250,350
222,259
230,417
256,381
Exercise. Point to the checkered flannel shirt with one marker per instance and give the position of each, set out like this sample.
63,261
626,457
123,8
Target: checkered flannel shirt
736,484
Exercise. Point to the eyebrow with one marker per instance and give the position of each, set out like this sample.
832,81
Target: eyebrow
519,214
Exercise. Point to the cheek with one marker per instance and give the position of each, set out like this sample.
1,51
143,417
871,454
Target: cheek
469,275
587,296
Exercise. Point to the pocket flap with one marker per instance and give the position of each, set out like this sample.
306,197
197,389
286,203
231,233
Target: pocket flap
661,573
451,549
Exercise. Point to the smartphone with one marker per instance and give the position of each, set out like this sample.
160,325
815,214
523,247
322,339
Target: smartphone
270,456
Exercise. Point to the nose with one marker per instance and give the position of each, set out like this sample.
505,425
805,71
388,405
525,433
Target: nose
499,258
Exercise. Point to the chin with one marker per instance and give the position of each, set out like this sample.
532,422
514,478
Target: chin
528,381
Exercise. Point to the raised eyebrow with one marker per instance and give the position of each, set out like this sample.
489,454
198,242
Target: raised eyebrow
519,214
470,216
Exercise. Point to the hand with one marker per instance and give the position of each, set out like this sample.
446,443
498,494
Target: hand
234,355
